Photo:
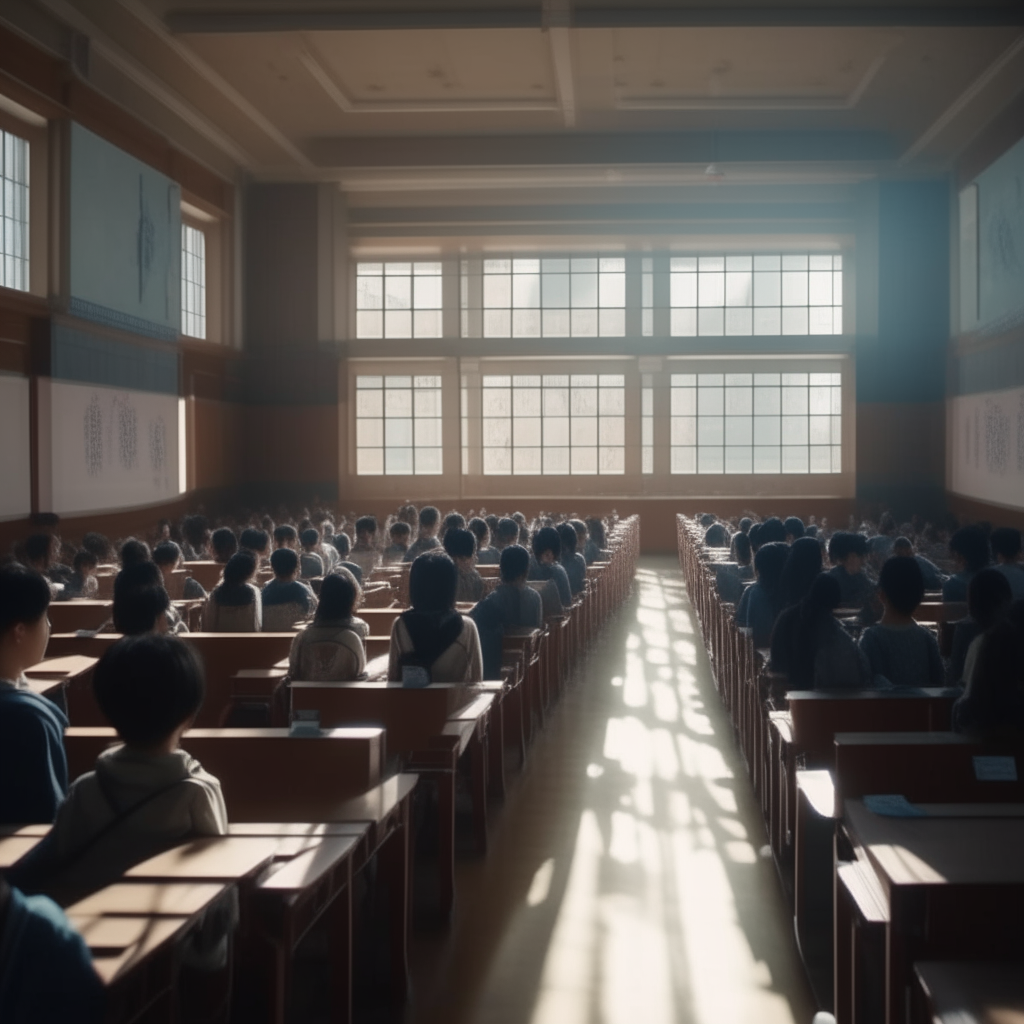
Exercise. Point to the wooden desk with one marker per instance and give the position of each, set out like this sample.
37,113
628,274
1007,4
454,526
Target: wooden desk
970,993
81,613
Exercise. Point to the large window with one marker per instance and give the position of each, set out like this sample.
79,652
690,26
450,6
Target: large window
398,425
553,424
554,298
756,423
398,300
193,282
14,214
756,295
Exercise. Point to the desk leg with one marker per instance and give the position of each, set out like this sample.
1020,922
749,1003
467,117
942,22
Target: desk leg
842,952
446,838
478,781
496,749
393,859
340,946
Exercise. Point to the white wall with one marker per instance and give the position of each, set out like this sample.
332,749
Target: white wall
986,446
15,453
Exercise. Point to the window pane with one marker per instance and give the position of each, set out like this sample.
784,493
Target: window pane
397,324
613,290
427,323
397,293
369,324
794,289
767,288
556,460
497,291
739,289
710,460
584,323
526,323
583,461
427,292
584,290
739,322
711,322
556,323
684,460
710,289
497,323
370,461
684,323
767,321
398,461
684,290
612,323
526,291
556,291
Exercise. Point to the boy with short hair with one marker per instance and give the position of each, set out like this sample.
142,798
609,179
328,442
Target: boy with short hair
1006,547
898,648
144,796
167,558
145,609
847,552
286,536
364,552
33,766
506,533
574,564
545,565
485,554
396,551
224,544
933,578
311,563
256,541
285,598
970,550
461,547
83,582
430,520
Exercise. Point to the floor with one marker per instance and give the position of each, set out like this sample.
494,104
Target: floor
624,882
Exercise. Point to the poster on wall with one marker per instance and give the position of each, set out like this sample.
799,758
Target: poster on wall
986,442
1000,252
125,240
15,453
113,448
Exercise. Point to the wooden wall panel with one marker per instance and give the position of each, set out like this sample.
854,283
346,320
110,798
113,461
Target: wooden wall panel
292,444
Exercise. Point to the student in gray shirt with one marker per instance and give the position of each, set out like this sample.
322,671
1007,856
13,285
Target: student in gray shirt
899,649
933,578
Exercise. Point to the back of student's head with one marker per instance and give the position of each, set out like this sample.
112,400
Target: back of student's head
547,539
366,525
768,564
745,524
84,561
508,530
339,595
815,609
773,530
567,535
133,552
492,523
254,540
284,562
741,548
285,534
971,544
794,527
311,537
1006,542
433,581
454,521
844,543
429,517
224,543
138,610
195,529
24,596
166,553
399,532
595,527
754,536
240,569
802,568
902,547
147,686
480,530
39,549
459,543
902,583
341,541
136,576
581,531
708,519
811,531
514,563
98,545
988,597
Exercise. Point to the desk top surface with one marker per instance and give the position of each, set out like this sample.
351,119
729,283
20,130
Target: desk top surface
218,859
973,993
155,899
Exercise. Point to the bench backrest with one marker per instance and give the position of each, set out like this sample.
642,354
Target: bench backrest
68,616
265,774
932,767
818,715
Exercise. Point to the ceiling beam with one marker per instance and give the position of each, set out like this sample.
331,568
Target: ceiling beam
561,59
723,14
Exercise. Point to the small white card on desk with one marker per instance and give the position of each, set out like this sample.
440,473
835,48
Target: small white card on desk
995,769
892,805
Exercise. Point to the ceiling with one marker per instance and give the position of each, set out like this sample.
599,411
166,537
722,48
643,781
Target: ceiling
559,90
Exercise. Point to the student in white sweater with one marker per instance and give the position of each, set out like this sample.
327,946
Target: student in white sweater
433,643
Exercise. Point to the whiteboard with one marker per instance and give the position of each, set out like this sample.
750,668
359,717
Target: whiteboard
15,450
112,448
986,445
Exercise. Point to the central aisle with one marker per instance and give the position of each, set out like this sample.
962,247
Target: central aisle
623,882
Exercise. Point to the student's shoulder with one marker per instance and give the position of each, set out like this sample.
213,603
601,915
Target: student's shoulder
24,706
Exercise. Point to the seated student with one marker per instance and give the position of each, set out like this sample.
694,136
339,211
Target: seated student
134,552
730,578
847,552
452,521
286,536
235,605
988,601
970,550
546,565
144,796
745,524
99,546
761,601
83,582
794,529
574,564
992,705
492,523
328,550
504,534
195,532
821,655
773,530
145,609
285,599
897,648
524,528
433,643
167,558
485,554
933,578
311,564
801,568
1006,547
223,544
33,768
40,552
461,548
512,605
399,534
364,552
429,521
331,649
754,536
582,537
342,547
717,534
256,541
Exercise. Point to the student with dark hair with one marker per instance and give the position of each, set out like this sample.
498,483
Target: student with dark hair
224,544
988,601
818,654
1006,548
256,541
512,605
802,568
235,605
331,650
594,548
342,544
40,551
143,610
399,534
773,531
286,599
717,534
970,550
83,582
897,648
574,564
707,519
794,529
286,536
761,601
364,553
461,548
492,523
754,536
506,533
433,643
167,558
311,564
99,546
144,796
33,768
847,552
933,578
429,521
546,565
452,521
195,532
730,578
133,552
485,554
745,524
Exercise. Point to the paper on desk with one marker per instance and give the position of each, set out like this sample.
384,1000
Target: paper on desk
892,805
995,769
